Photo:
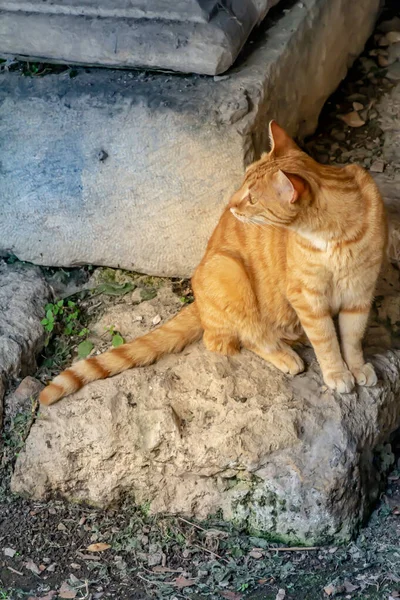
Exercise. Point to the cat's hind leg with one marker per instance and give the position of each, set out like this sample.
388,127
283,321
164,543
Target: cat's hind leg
227,304
282,356
230,314
221,342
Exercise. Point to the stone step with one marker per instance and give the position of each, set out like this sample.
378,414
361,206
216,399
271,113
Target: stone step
199,36
132,170
179,10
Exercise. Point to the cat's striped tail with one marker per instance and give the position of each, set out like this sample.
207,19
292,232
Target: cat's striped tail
177,333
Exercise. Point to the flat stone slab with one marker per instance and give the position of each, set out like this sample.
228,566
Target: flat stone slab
197,433
192,36
132,170
23,296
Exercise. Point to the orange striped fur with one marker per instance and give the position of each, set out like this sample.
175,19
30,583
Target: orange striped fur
298,243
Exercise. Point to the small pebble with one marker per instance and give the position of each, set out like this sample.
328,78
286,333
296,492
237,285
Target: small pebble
378,166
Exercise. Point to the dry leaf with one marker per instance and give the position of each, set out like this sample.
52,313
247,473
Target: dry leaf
160,569
182,582
358,106
352,119
349,587
280,595
66,591
330,590
61,527
9,552
334,590
255,553
231,595
74,580
31,566
86,556
393,37
51,568
216,533
99,547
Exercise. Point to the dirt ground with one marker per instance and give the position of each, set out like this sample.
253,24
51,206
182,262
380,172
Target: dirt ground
46,550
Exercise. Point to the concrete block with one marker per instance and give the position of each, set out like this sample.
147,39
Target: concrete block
199,36
132,170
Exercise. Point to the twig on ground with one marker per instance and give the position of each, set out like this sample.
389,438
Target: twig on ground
192,524
15,571
210,552
295,549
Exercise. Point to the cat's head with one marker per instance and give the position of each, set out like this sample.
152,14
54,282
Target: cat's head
271,194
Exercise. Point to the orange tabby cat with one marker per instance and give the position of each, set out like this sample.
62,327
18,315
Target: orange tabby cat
298,243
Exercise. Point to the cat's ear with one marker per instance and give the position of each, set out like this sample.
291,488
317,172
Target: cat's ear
281,142
288,187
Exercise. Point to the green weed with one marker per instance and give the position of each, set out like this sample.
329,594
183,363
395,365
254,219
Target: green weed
65,325
63,318
116,337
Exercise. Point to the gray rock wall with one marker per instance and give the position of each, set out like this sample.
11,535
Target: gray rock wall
23,295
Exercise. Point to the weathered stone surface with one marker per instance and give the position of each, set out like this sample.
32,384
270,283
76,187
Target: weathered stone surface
389,182
198,432
193,36
21,399
389,186
23,295
176,147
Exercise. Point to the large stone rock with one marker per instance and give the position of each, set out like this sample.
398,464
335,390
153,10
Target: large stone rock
132,170
23,295
197,433
193,36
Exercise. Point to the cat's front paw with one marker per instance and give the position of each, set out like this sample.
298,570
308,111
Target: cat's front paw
365,375
342,382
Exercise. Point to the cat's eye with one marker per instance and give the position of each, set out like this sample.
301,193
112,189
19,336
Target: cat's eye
252,199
